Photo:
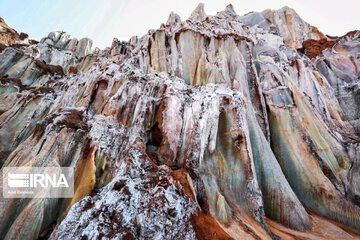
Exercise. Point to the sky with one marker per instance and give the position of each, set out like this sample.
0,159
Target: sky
103,20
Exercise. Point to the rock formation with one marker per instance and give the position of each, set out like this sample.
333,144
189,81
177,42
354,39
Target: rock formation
10,37
216,127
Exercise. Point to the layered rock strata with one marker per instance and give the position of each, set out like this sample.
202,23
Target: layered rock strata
220,121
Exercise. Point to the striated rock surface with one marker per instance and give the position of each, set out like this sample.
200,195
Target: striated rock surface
63,41
216,127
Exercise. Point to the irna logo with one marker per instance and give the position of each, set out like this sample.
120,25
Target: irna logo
37,182
16,180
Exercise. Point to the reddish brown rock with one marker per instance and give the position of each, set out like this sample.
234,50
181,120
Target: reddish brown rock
10,37
207,227
51,69
313,48
23,36
73,69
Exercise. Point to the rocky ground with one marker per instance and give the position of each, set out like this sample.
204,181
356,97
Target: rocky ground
216,127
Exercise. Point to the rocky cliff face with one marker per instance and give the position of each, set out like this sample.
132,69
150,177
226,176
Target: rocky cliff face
10,37
217,127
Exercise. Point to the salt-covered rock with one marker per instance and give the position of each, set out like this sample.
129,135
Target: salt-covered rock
202,129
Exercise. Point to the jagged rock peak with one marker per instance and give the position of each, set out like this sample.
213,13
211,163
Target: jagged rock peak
230,10
64,41
291,26
173,18
10,37
198,14
29,61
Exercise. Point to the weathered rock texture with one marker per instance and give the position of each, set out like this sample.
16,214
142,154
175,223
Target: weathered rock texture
217,127
10,37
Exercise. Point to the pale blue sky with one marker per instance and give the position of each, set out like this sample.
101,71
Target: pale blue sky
104,20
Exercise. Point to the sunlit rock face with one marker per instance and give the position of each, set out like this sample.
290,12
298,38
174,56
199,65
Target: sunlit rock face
217,127
64,41
10,37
